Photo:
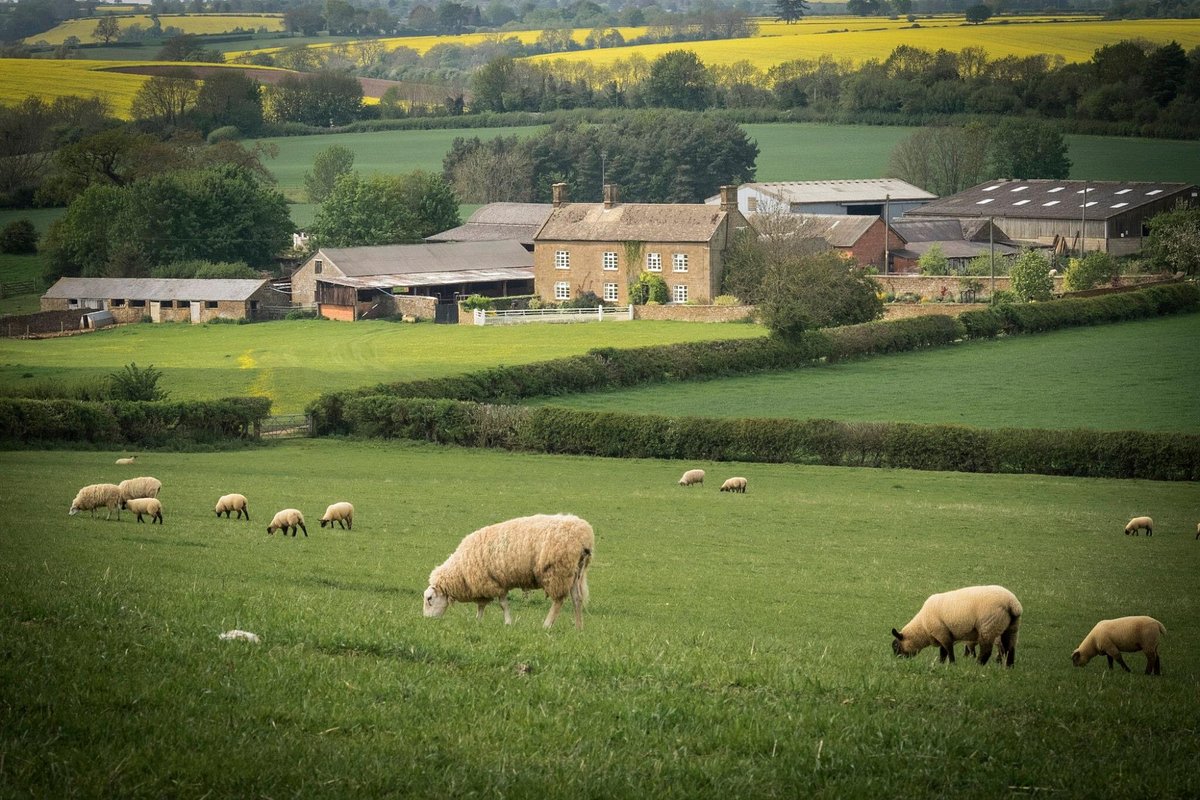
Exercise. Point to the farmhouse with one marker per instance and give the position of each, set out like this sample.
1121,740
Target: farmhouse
1092,215
603,247
883,197
351,283
857,237
496,222
163,299
959,240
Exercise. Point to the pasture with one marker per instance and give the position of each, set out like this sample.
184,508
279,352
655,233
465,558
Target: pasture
734,645
197,24
1130,376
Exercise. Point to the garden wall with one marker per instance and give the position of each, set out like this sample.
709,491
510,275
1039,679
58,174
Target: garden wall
689,313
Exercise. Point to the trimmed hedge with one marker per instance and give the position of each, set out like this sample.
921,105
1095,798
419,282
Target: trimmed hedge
145,424
556,430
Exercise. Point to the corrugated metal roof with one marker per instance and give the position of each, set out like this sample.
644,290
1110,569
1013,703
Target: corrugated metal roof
874,190
1050,199
155,288
408,259
957,249
632,222
431,278
498,221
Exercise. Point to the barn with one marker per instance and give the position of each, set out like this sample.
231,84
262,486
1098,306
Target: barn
163,299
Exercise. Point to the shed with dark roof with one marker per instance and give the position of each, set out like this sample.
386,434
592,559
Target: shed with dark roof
164,299
499,222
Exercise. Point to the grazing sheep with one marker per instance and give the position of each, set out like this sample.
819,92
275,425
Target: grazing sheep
228,503
1123,635
971,650
285,519
150,506
1197,530
734,485
975,614
140,487
545,551
129,460
1136,524
341,513
692,476
98,494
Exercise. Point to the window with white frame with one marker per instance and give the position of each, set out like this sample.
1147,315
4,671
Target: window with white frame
610,293
610,260
679,293
679,262
562,259
654,262
562,291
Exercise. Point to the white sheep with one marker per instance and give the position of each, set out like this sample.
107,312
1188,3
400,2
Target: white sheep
288,518
1197,530
1136,524
144,486
692,476
150,506
92,497
545,551
341,513
1123,635
974,613
734,485
228,503
129,460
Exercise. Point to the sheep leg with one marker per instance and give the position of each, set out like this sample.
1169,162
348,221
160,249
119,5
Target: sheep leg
1120,661
1153,665
482,604
301,528
504,605
555,607
985,651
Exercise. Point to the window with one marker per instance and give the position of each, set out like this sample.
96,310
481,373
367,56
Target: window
610,293
318,265
116,302
562,291
679,293
679,262
210,303
183,303
610,260
752,204
654,262
137,303
562,259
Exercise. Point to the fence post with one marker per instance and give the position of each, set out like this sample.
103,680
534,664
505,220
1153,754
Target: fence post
479,317
600,313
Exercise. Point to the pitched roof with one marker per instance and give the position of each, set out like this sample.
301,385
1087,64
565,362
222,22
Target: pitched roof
840,230
498,221
957,248
636,222
1052,199
155,288
874,190
408,259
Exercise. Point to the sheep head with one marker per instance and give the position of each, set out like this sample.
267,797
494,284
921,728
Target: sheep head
1078,659
900,646
436,603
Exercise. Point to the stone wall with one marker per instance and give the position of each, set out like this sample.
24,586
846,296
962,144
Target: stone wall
41,323
686,313
930,286
419,307
906,310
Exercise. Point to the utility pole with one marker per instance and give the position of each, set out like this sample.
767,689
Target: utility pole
992,249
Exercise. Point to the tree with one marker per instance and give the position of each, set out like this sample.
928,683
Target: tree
816,291
320,98
790,11
1022,148
19,237
1174,241
132,382
229,97
942,159
328,165
187,47
679,80
384,209
499,170
107,29
933,261
649,288
978,13
1094,269
1030,276
165,100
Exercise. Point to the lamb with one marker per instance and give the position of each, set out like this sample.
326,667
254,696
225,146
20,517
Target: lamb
129,460
97,494
150,506
734,485
545,551
692,476
1122,635
974,613
285,519
228,503
341,513
1136,524
144,486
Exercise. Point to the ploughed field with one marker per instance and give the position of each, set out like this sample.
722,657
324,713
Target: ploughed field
734,646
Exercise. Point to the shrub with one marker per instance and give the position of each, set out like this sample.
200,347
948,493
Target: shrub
816,291
1094,269
649,288
134,383
726,300
1030,277
19,237
227,133
583,300
933,261
476,301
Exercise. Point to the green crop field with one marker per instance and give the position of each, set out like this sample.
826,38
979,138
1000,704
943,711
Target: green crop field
1130,376
734,645
293,361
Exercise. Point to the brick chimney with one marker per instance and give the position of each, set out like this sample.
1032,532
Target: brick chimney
729,200
559,194
610,195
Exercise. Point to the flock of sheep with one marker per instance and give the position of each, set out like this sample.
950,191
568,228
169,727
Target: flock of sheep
552,552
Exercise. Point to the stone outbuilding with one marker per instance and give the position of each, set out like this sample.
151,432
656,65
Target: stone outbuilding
868,240
164,299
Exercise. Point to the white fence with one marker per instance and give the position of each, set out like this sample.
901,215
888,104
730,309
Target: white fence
518,317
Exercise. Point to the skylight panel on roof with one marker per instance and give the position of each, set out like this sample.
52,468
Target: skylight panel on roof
1153,192
990,188
1057,189
1020,202
1123,191
1089,204
1119,205
1051,203
985,201
1020,188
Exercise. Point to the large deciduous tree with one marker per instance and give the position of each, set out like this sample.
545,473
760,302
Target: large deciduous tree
942,159
384,209
679,80
164,100
328,165
816,291
790,11
1174,241
229,97
1021,148
319,98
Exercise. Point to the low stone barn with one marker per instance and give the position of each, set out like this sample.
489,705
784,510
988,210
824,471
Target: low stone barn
496,222
1092,215
351,283
163,299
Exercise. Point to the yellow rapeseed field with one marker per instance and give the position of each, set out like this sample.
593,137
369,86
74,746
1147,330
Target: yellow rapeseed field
188,23
858,40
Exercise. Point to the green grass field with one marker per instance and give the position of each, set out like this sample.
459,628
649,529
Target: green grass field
734,646
1131,376
14,268
294,361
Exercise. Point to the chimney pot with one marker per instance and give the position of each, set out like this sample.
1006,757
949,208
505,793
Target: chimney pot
729,200
610,195
558,192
